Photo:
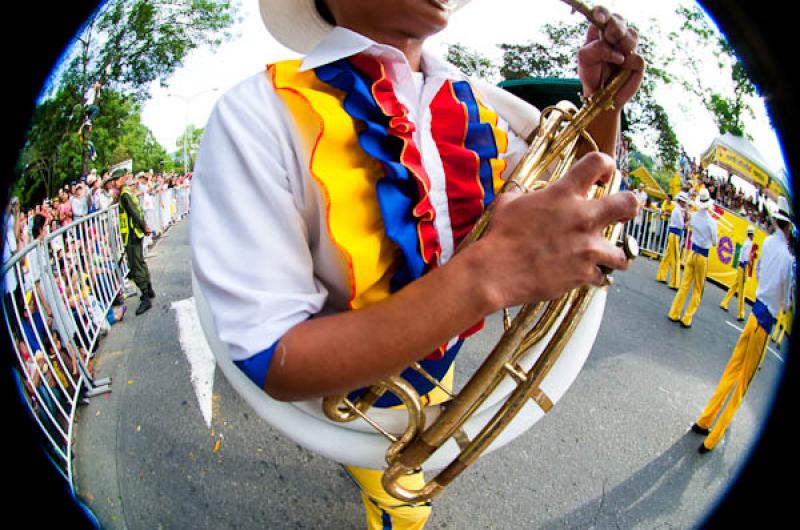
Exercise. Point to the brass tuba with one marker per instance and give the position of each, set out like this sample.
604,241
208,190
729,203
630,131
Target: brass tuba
544,328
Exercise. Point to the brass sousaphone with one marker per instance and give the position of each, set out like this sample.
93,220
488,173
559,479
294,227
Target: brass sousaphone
538,357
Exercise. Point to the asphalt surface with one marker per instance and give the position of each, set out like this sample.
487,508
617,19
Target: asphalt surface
614,453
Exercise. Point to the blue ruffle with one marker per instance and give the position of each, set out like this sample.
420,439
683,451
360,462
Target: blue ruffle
397,190
480,138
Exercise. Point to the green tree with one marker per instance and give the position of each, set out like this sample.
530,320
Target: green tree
192,136
553,55
51,157
700,44
124,47
471,62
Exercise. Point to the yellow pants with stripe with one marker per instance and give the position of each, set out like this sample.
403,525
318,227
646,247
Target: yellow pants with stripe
747,357
671,262
694,277
384,511
736,289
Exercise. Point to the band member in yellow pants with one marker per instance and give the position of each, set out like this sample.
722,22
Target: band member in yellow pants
742,366
366,163
671,260
737,288
774,293
704,236
383,510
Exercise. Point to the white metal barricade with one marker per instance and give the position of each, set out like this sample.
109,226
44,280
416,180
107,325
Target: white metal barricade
650,228
58,292
59,295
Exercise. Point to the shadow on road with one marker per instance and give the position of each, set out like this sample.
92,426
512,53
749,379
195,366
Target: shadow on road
648,497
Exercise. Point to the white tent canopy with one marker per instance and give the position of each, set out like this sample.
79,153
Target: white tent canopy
740,157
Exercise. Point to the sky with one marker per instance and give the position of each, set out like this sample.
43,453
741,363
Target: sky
206,74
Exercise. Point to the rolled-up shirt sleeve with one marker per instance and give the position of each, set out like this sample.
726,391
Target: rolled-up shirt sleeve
250,242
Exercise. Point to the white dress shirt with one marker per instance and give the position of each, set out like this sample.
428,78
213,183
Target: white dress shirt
744,254
775,274
261,250
676,218
704,229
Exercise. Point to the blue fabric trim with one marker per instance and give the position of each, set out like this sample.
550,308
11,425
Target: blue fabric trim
255,367
480,139
763,316
677,231
386,520
437,368
699,250
397,190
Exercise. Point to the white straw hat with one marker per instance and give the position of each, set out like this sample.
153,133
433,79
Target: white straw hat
704,200
784,212
298,25
681,196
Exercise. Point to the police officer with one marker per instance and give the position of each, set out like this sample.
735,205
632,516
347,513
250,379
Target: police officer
133,229
737,287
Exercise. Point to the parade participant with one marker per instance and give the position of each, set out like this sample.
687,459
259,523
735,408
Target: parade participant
704,236
133,228
775,274
641,194
737,287
671,259
331,193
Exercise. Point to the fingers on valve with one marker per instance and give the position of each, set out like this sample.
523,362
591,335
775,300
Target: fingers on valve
591,168
617,208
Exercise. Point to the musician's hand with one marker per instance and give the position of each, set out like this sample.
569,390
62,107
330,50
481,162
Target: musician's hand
540,245
603,53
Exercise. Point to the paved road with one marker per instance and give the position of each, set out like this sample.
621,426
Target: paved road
614,453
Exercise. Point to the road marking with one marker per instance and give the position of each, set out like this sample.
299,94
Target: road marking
201,360
769,348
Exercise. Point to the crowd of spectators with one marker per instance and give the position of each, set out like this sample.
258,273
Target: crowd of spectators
54,333
724,192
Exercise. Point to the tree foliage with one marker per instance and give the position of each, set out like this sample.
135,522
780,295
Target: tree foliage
192,136
471,62
553,55
52,156
122,49
699,43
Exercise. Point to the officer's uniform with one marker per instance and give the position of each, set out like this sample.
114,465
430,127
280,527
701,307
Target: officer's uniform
132,228
737,287
704,236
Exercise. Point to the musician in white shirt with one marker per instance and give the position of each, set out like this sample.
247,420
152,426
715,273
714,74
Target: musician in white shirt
704,236
285,253
672,253
737,287
775,273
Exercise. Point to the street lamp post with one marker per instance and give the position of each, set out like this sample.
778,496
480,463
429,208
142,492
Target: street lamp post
187,101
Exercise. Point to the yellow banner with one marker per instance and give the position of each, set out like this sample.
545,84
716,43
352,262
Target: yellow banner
739,165
651,186
675,184
724,258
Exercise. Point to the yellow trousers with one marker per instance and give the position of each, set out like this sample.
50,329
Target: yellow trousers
736,289
694,277
383,510
745,360
671,262
780,328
